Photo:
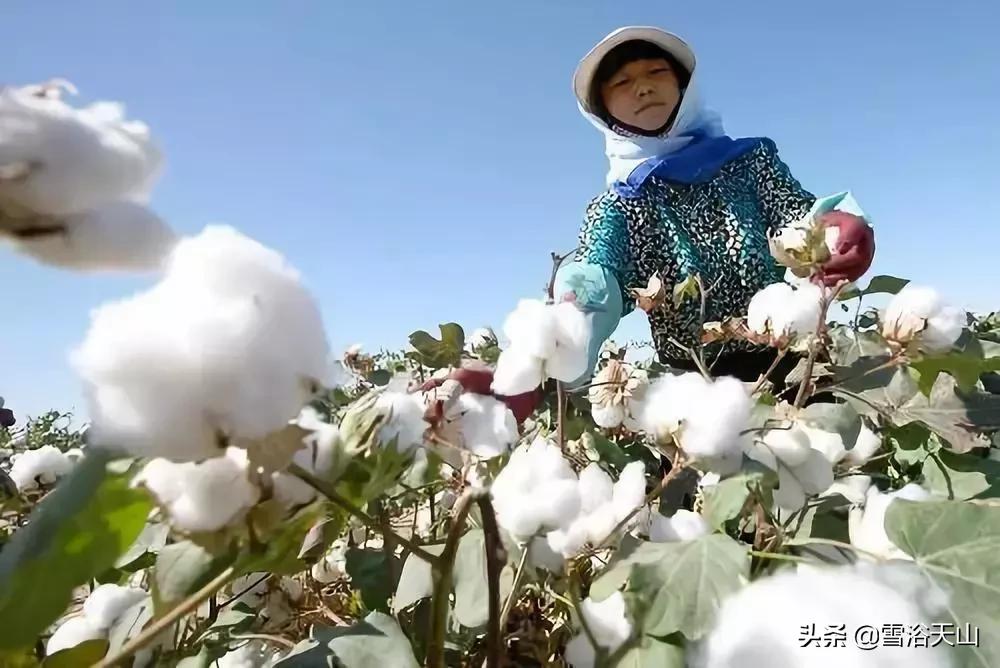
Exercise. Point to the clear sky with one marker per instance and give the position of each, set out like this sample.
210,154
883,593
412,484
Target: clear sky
418,161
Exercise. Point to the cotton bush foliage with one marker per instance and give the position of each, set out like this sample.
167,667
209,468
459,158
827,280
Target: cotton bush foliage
202,496
759,626
229,342
45,464
609,623
919,315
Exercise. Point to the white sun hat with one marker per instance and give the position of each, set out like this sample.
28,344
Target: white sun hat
583,79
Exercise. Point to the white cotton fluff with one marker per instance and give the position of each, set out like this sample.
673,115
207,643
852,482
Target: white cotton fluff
46,464
229,341
607,621
316,456
404,419
479,338
867,524
108,602
704,418
253,654
603,505
796,483
546,340
203,496
761,625
781,311
920,313
116,236
867,444
489,428
537,490
791,445
683,525
251,589
78,159
332,565
71,633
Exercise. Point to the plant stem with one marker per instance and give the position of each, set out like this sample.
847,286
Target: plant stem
496,557
799,542
561,415
518,575
557,261
774,365
277,640
800,398
778,556
442,571
327,490
187,606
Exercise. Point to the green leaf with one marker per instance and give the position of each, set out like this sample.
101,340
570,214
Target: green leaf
609,451
438,354
849,346
470,581
416,581
279,551
235,618
369,573
841,419
911,443
181,569
150,542
879,284
652,651
375,642
962,477
86,653
320,536
684,582
965,366
724,501
77,532
379,377
957,547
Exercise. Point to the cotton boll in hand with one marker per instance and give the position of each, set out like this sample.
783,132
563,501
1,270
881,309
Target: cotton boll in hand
488,426
66,160
517,372
204,496
761,625
229,342
46,464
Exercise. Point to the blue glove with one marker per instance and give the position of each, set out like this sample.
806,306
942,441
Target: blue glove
596,292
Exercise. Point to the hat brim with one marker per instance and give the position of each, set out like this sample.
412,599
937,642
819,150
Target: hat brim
583,78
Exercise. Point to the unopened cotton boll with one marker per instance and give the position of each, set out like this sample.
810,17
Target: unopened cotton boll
71,633
867,524
204,496
45,464
920,314
761,625
488,427
118,236
74,160
108,602
607,621
228,342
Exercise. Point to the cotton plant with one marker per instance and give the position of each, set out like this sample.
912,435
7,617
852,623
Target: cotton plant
615,394
101,610
546,341
227,347
74,182
41,466
918,318
609,623
778,620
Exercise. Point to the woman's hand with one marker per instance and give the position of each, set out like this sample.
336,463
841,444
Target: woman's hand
852,253
477,379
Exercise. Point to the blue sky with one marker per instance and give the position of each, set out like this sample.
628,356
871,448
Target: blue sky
418,161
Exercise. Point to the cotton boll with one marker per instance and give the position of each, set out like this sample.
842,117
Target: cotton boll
517,372
405,422
488,426
596,488
668,401
943,329
107,603
764,314
713,424
557,503
630,490
761,625
867,525
315,456
71,633
919,312
829,443
609,625
865,447
532,328
46,464
570,541
205,496
683,525
608,417
79,158
806,308
536,490
791,446
118,236
569,359
228,342
854,488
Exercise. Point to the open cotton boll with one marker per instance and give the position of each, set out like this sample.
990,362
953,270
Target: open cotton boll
867,444
532,328
854,488
77,159
920,312
46,464
404,421
108,602
204,496
866,524
607,621
315,456
517,372
713,424
783,312
118,236
488,426
790,445
761,625
630,490
333,565
229,341
569,359
71,633
681,526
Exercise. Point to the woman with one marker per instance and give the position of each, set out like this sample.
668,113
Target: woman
683,200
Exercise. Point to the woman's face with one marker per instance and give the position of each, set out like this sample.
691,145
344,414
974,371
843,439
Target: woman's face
643,94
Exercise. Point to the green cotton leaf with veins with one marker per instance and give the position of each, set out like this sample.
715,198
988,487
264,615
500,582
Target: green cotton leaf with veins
957,548
439,353
965,366
879,284
76,533
682,584
724,501
962,477
375,642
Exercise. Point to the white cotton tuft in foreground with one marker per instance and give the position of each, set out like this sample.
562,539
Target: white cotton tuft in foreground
229,343
761,625
45,464
918,314
704,418
867,524
204,496
608,622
